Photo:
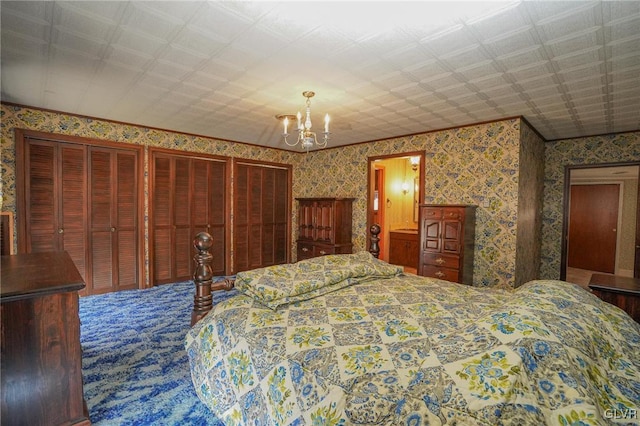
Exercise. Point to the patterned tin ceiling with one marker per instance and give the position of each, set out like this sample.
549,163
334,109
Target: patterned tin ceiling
380,69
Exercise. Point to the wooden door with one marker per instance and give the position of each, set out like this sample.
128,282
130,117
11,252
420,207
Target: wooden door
113,220
188,195
593,221
81,196
261,200
209,208
55,185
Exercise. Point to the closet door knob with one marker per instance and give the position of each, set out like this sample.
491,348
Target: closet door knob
60,230
113,229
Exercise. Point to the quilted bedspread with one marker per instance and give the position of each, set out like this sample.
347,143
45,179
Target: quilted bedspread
402,349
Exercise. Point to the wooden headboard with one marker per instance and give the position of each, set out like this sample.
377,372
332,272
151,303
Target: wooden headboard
203,275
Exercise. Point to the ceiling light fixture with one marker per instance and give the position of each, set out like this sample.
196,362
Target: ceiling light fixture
306,137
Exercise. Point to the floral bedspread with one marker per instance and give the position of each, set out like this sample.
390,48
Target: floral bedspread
413,350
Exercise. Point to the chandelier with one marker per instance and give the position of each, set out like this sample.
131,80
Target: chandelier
306,138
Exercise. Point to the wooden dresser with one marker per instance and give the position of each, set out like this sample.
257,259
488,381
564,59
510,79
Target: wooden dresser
447,234
324,226
41,354
624,292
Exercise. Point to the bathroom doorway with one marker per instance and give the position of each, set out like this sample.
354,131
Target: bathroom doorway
395,189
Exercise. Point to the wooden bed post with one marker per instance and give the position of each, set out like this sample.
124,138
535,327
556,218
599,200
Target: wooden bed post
374,249
203,278
202,301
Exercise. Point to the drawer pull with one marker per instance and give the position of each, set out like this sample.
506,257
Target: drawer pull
439,274
322,252
440,261
304,249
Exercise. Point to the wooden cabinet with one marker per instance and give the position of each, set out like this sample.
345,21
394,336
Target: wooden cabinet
84,199
403,248
261,214
324,226
41,354
188,195
447,234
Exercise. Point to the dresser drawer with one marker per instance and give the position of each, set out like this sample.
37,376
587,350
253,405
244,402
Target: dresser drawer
452,213
432,213
440,273
309,250
322,250
305,251
441,260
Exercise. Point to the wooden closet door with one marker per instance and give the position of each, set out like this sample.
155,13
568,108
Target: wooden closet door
182,236
208,208
81,196
126,219
161,215
187,196
56,222
113,220
261,216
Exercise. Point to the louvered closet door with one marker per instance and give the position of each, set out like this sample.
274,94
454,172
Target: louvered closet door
56,222
208,208
182,237
261,216
113,220
188,196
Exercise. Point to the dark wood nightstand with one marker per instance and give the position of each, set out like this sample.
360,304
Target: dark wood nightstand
624,292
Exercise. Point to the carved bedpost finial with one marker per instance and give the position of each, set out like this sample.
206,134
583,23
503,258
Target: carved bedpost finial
202,301
375,248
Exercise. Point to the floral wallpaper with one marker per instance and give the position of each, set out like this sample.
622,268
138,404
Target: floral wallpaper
495,166
471,165
615,148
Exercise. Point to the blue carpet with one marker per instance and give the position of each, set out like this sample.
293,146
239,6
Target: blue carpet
134,365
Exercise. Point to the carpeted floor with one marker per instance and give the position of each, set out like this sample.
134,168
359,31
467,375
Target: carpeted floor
134,365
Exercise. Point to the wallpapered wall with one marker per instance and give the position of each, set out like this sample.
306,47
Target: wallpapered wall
622,147
477,164
470,165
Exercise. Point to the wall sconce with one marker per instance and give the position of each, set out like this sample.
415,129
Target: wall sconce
405,188
415,162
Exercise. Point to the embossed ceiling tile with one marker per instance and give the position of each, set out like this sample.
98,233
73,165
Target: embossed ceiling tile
568,20
454,39
88,19
142,19
126,58
77,65
583,41
138,43
589,55
466,58
390,80
479,71
512,43
220,22
532,70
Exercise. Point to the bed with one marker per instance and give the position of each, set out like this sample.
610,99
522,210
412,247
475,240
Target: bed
350,339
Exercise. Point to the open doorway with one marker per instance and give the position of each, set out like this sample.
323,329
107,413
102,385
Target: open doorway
601,216
394,191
